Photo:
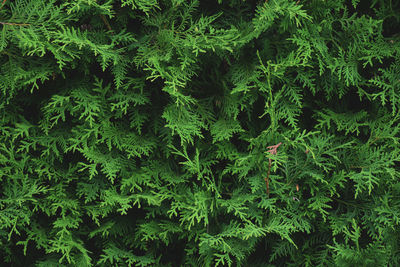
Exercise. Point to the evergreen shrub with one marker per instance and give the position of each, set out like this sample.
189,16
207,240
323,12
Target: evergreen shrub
199,133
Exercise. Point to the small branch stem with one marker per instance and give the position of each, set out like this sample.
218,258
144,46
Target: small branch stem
14,24
267,179
107,23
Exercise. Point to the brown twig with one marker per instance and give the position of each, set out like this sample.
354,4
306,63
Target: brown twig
272,150
2,4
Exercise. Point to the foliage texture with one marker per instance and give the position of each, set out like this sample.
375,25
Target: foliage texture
200,133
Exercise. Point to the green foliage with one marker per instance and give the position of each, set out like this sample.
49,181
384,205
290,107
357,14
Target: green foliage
199,133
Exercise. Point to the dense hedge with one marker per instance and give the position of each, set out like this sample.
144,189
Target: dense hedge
199,133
